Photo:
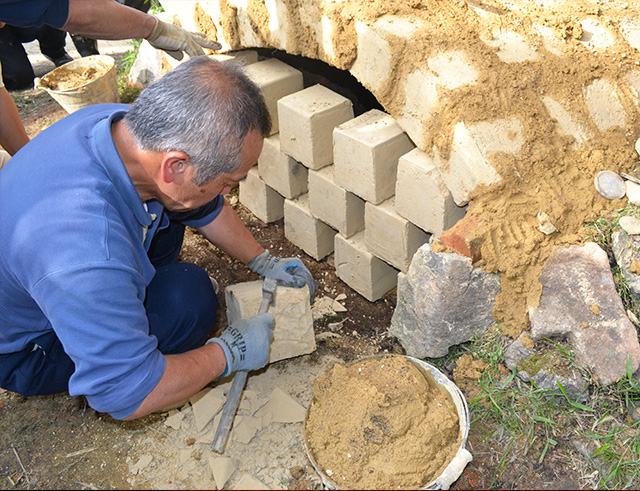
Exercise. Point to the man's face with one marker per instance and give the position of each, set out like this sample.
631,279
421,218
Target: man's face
187,195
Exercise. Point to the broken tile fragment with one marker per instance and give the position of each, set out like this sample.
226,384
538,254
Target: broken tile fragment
222,469
250,403
325,307
174,420
282,408
207,406
245,428
141,464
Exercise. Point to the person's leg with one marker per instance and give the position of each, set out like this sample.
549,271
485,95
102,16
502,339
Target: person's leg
17,71
181,307
42,368
52,45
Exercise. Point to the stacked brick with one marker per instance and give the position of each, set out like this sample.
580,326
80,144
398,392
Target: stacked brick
355,187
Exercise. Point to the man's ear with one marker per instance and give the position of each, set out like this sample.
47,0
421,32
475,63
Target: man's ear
174,166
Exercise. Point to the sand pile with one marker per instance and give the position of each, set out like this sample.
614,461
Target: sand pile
552,173
67,78
381,424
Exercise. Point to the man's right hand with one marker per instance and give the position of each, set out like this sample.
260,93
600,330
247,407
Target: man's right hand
246,343
174,40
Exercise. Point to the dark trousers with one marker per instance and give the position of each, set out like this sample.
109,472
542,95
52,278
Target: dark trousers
181,307
17,71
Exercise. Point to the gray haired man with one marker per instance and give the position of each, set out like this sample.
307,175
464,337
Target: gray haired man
93,300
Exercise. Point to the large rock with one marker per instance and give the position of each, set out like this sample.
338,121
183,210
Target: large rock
579,303
442,301
626,249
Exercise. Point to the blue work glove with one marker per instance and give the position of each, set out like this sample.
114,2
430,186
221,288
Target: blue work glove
246,343
288,271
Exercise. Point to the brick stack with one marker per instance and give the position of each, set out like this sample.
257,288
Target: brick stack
355,187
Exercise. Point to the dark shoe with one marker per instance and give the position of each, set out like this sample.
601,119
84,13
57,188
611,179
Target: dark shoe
85,46
60,60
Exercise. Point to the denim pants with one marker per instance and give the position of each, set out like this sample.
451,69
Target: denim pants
181,307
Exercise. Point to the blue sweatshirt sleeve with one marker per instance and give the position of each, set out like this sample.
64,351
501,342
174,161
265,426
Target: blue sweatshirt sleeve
34,13
98,314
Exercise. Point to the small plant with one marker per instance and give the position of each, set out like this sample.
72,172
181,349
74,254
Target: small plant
126,92
600,231
155,6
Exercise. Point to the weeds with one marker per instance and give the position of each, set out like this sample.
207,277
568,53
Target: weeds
126,92
600,231
532,421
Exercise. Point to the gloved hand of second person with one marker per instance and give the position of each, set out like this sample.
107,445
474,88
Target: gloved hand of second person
288,271
174,40
246,343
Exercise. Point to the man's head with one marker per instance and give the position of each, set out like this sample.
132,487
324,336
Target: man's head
205,121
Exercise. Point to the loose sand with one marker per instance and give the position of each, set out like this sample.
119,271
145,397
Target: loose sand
65,78
381,423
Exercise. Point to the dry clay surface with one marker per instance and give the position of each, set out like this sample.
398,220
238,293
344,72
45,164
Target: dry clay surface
532,64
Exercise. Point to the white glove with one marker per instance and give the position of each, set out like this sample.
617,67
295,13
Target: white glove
174,40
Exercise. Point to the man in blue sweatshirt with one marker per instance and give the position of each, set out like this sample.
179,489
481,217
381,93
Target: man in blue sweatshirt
92,299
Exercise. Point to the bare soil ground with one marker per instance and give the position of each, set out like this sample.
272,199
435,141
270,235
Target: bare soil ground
59,442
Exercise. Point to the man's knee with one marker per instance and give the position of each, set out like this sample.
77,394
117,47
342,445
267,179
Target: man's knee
194,292
181,307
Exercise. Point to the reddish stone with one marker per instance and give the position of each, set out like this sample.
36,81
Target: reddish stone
459,238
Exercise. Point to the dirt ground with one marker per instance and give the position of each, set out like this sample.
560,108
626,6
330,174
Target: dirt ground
59,442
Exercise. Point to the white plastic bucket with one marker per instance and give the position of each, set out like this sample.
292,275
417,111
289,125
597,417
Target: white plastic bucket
453,471
100,87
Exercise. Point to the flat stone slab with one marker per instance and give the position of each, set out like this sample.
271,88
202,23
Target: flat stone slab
579,303
293,331
442,301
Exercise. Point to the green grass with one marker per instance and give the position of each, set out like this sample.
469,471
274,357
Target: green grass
126,92
155,6
521,419
616,436
600,232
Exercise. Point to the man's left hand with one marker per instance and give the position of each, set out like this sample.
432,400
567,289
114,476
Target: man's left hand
289,271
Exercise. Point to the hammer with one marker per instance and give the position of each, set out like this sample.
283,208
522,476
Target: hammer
239,379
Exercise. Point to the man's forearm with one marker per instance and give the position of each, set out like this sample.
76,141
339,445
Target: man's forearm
228,233
107,19
184,375
12,133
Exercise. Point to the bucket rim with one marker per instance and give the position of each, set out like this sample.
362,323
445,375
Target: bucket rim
456,395
109,60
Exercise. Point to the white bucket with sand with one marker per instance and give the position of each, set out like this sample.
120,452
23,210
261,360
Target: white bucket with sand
387,422
82,82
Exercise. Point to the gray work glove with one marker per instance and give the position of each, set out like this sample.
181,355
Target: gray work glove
174,40
288,271
246,343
